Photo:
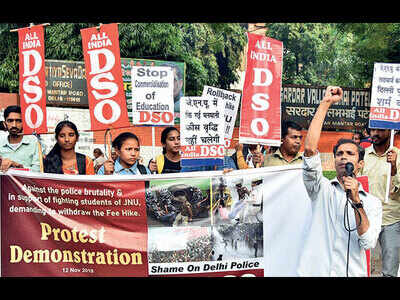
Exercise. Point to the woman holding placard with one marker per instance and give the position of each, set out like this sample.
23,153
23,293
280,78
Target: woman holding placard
170,160
127,148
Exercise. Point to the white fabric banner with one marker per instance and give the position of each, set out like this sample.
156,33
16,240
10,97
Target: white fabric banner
287,216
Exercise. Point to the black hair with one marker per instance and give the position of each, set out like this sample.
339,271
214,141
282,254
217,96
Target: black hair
359,133
66,123
11,109
361,150
97,150
289,124
56,149
53,162
120,139
164,135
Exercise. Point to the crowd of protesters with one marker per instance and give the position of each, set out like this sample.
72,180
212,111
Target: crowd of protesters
22,151
198,249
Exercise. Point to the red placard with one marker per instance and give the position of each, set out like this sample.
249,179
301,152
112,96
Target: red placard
260,121
32,82
106,94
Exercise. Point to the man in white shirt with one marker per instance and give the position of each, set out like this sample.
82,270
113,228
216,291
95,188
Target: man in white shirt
325,252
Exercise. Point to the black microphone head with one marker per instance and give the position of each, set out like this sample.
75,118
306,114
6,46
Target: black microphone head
349,169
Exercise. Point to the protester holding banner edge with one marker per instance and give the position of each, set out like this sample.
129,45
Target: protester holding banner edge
18,150
127,147
62,158
171,156
327,239
247,156
169,160
288,153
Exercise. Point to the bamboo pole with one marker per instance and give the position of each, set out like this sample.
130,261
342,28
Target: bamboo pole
389,172
30,25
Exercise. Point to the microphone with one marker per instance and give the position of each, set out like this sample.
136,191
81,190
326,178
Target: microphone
349,168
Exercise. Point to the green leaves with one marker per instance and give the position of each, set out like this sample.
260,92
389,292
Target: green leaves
212,51
340,54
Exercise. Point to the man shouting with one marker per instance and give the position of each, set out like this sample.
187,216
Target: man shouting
345,219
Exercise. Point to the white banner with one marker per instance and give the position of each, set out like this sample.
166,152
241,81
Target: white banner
231,102
384,110
287,216
253,222
202,130
152,95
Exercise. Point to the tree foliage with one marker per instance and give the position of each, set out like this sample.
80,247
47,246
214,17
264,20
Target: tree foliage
211,51
314,53
335,53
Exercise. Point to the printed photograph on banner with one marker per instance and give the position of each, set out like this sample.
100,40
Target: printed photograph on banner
238,217
178,202
179,80
237,200
231,104
202,131
179,244
192,251
152,95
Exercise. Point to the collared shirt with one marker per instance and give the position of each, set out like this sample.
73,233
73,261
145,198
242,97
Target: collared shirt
325,249
27,152
119,169
277,159
376,168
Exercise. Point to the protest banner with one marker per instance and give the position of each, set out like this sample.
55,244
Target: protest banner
222,234
244,223
384,110
202,131
260,121
32,83
106,96
152,96
100,226
231,103
58,225
179,80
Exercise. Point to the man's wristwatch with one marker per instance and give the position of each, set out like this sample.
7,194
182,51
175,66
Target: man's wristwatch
358,205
